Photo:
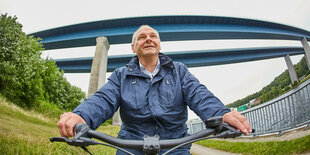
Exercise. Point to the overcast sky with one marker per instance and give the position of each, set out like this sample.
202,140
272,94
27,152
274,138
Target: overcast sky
228,82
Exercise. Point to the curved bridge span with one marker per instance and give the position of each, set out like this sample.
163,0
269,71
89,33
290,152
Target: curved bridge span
170,28
189,58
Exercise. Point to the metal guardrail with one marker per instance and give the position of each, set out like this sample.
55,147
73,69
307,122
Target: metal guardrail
288,111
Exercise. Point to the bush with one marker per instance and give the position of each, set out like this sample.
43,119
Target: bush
49,110
20,64
58,90
26,79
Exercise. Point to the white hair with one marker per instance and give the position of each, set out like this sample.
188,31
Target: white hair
134,36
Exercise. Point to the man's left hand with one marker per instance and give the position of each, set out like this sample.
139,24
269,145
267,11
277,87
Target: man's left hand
238,121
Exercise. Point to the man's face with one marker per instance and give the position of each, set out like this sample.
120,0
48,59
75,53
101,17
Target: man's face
147,42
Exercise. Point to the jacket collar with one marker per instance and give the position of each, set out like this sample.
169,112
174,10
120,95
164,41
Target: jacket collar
133,65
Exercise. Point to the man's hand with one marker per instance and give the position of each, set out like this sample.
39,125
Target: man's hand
67,122
238,121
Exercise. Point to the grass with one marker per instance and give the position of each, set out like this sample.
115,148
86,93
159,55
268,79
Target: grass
27,132
296,146
304,79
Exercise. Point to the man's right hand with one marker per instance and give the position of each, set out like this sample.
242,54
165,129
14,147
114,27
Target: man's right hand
67,122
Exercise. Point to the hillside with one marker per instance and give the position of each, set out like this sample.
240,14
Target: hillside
277,87
27,132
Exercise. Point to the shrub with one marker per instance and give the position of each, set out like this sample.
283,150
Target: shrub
26,79
20,64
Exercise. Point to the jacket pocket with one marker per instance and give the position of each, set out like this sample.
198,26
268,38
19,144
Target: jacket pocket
139,95
166,93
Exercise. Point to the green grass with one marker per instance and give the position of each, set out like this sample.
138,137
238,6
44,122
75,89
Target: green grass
27,132
305,79
296,146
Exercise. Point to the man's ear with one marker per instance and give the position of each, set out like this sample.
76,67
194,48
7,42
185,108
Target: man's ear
133,48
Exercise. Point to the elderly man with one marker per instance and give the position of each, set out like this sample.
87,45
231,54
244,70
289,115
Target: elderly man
153,93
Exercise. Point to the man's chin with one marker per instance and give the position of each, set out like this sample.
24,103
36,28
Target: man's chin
150,51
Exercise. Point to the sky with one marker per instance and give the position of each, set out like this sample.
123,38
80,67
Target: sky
228,82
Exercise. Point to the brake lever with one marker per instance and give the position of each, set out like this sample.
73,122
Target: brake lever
74,142
230,132
58,139
80,138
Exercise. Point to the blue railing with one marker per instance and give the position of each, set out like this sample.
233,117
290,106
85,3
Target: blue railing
288,111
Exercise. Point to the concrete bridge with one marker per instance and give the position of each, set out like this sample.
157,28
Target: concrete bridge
172,28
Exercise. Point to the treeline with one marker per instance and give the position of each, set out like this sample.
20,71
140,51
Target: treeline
280,85
28,80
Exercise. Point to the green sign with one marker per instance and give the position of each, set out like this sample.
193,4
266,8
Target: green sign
242,108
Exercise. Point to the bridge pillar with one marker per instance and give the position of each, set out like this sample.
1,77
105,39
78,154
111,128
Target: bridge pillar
291,69
305,44
99,70
99,66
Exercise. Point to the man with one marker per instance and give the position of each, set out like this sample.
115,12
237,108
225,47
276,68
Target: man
152,93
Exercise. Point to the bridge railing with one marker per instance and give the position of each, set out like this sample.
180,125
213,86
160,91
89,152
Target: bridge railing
288,111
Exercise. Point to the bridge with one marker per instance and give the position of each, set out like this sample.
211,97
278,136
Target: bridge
172,28
189,58
177,28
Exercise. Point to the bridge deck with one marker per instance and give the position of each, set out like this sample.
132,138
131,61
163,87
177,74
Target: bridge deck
189,58
171,28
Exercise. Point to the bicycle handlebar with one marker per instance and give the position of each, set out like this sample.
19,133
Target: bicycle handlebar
150,144
138,144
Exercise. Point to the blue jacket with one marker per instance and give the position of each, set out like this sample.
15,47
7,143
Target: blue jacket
151,106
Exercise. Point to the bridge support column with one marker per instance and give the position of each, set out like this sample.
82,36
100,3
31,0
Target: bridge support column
305,44
99,66
291,69
99,70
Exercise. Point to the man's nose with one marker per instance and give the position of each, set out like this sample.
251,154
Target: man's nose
148,39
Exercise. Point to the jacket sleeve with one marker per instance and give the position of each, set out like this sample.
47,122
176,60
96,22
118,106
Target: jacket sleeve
198,97
102,105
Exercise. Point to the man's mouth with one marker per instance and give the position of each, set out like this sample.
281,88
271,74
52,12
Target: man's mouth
149,46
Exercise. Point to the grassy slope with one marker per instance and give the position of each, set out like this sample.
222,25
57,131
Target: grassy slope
23,132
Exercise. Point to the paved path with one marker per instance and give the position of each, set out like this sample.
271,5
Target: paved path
289,135
201,150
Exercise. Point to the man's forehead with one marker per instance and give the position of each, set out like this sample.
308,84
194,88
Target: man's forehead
146,30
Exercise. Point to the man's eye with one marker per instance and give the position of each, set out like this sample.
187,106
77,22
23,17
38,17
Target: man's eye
141,37
153,36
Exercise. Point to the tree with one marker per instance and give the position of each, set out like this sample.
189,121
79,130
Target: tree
20,64
26,79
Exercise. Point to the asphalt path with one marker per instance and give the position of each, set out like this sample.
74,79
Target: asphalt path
201,150
289,135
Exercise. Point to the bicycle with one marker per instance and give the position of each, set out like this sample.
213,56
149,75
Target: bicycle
151,145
